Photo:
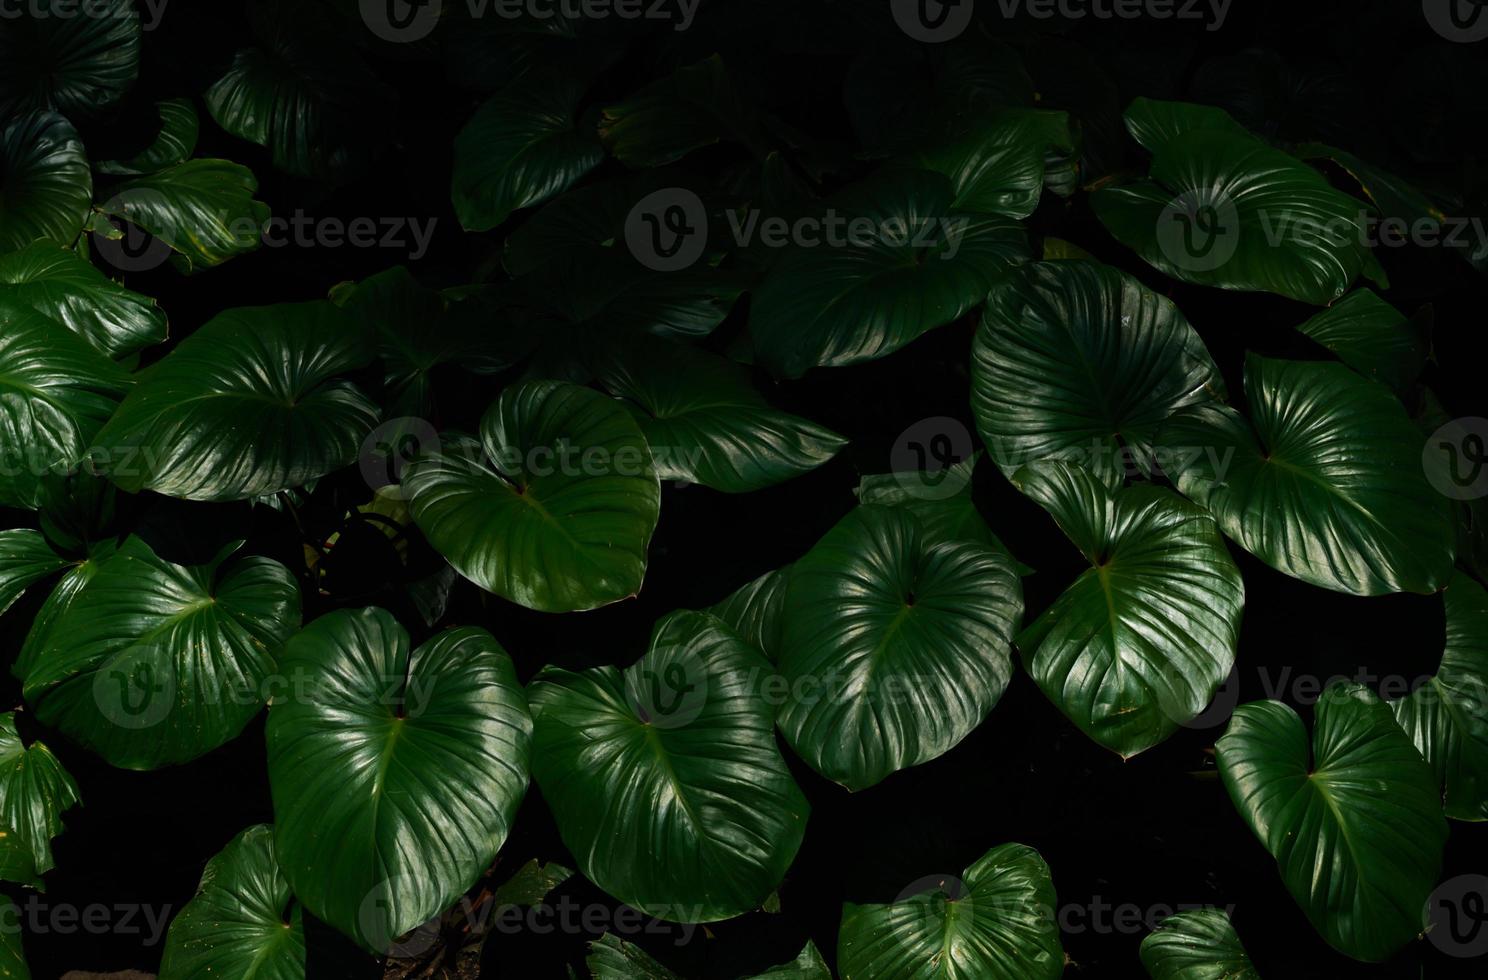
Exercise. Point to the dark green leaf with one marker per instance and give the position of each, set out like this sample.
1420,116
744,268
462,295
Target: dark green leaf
695,107
34,792
173,143
25,559
78,59
203,209
1196,945
1372,337
997,166
57,283
48,186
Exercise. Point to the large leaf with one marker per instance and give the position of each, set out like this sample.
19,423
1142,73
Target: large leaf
997,165
1357,830
1224,209
996,923
56,393
1144,637
1156,123
677,751
243,923
149,663
48,185
894,648
203,209
76,58
1327,486
1075,360
250,404
554,509
1372,337
523,146
57,283
894,260
34,792
174,141
941,500
705,422
695,107
396,775
25,559
753,611
611,958
1447,717
1196,945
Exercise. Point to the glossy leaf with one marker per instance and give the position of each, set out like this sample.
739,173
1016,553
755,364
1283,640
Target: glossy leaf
1196,945
1156,123
554,509
705,422
25,559
78,60
149,663
754,609
48,185
1356,828
612,958
203,209
1143,639
252,403
679,751
243,923
900,262
59,284
34,792
396,773
1372,337
1447,716
1078,361
173,143
941,500
995,923
695,107
894,648
997,166
1327,486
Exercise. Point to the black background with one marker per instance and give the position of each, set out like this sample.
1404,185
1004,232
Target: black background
1157,830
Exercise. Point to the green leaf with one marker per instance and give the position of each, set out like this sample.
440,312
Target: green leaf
250,404
705,422
531,884
1447,717
679,751
524,145
382,752
696,106
173,143
34,792
56,393
1357,831
940,500
1196,945
12,956
1327,487
1224,209
1143,639
77,59
996,923
997,165
809,965
243,923
149,663
203,209
48,186
1372,337
894,648
582,219
1156,123
555,508
1079,361
895,260
25,559
59,284
754,609
612,958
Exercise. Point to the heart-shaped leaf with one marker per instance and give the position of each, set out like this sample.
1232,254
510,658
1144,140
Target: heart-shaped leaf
890,260
1078,361
997,165
995,923
243,923
679,751
523,146
250,404
1327,487
1447,717
1196,945
25,559
59,284
48,186
64,56
381,751
941,500
705,422
150,664
175,139
1142,639
1372,337
1357,829
203,209
894,648
554,509
56,393
34,792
